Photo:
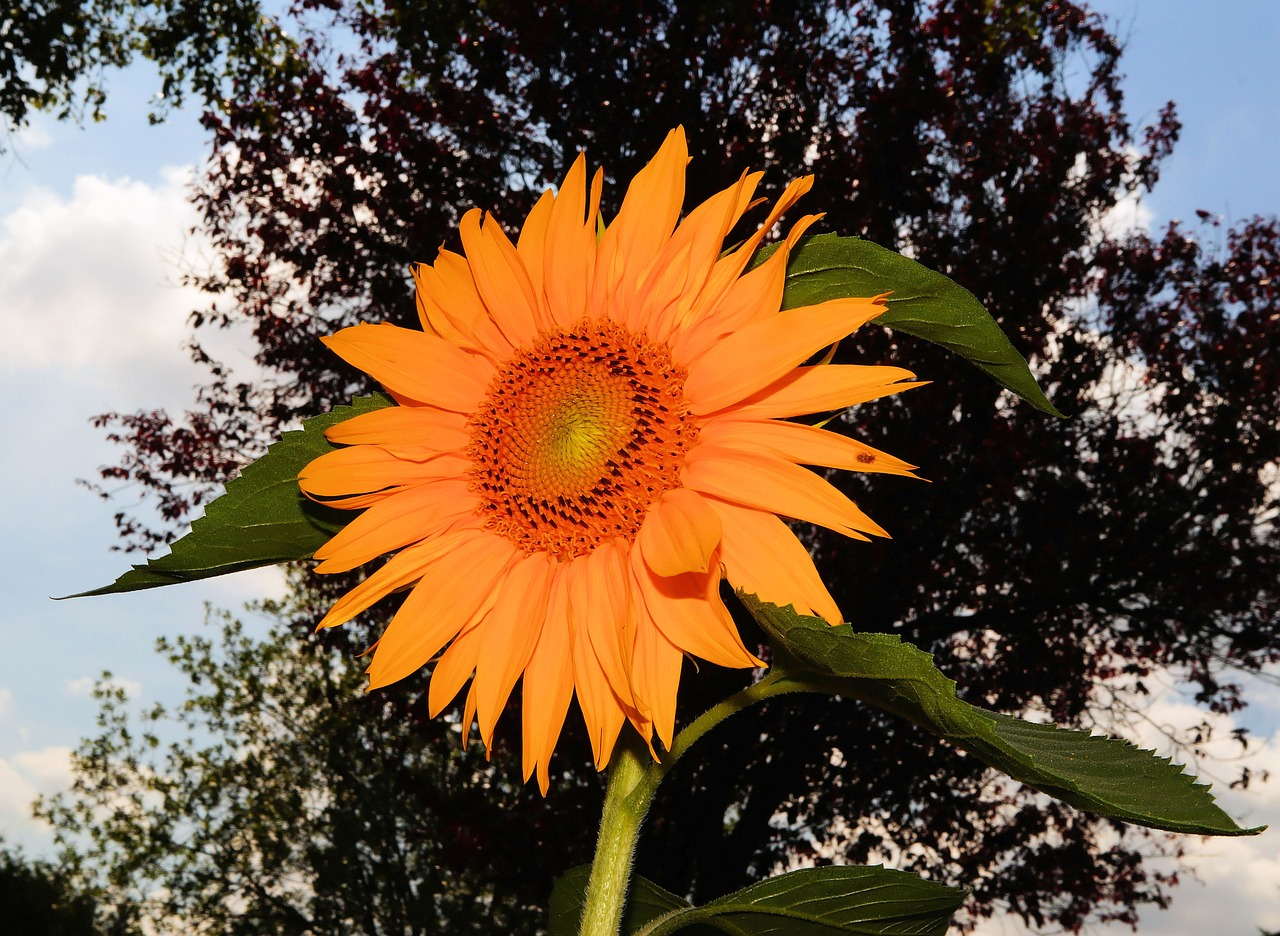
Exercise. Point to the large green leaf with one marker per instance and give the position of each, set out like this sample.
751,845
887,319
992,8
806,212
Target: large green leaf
828,901
1103,775
262,518
923,303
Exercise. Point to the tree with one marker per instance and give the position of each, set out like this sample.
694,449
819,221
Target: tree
278,799
39,899
56,54
1052,566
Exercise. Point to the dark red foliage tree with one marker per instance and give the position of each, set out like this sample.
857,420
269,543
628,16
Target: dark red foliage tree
1052,565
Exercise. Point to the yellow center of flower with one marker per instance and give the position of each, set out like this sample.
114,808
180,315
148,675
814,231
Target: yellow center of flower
578,435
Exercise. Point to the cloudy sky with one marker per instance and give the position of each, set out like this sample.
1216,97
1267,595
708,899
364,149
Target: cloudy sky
94,230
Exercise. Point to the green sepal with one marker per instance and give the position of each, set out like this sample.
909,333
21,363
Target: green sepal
1097,773
262,518
922,302
868,901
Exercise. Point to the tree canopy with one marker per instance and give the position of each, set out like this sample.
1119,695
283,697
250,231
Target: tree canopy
1051,566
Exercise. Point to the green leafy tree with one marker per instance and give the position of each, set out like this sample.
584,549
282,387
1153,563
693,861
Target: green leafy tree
278,799
56,56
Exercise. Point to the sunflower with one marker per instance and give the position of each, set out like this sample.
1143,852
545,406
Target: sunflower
591,432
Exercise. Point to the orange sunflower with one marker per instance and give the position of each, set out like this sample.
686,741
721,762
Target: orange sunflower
591,432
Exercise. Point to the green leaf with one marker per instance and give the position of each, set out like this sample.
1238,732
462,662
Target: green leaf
923,303
1093,772
809,902
262,519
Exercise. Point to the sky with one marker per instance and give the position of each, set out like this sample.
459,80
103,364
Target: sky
94,232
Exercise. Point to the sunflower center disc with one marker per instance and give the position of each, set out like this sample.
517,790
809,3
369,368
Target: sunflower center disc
577,436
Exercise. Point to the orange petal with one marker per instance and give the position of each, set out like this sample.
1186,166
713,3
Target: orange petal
469,717
804,445
448,297
401,570
644,223
680,533
404,428
679,272
656,676
824,387
419,365
601,709
511,631
726,274
603,601
500,277
756,295
548,688
454,668
531,245
571,247
757,355
440,604
767,482
762,556
361,469
688,610
405,517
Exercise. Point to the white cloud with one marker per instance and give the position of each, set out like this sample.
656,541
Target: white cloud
25,776
84,686
1130,215
90,284
6,696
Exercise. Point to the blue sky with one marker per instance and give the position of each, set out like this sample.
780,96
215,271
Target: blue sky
93,229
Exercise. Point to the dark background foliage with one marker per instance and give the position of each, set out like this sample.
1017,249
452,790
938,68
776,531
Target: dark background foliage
1051,566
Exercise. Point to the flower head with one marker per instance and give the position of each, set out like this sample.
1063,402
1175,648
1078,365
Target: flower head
591,431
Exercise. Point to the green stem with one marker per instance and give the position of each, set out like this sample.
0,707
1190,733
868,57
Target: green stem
619,827
633,779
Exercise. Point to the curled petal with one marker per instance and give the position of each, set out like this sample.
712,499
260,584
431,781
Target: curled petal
680,534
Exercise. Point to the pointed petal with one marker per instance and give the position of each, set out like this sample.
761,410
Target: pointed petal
762,556
452,590
755,356
548,688
804,445
676,277
405,517
501,279
824,387
605,611
420,366
755,296
400,571
454,668
571,248
644,223
404,428
531,245
680,533
511,632
447,292
767,482
656,676
601,709
728,269
362,469
469,717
